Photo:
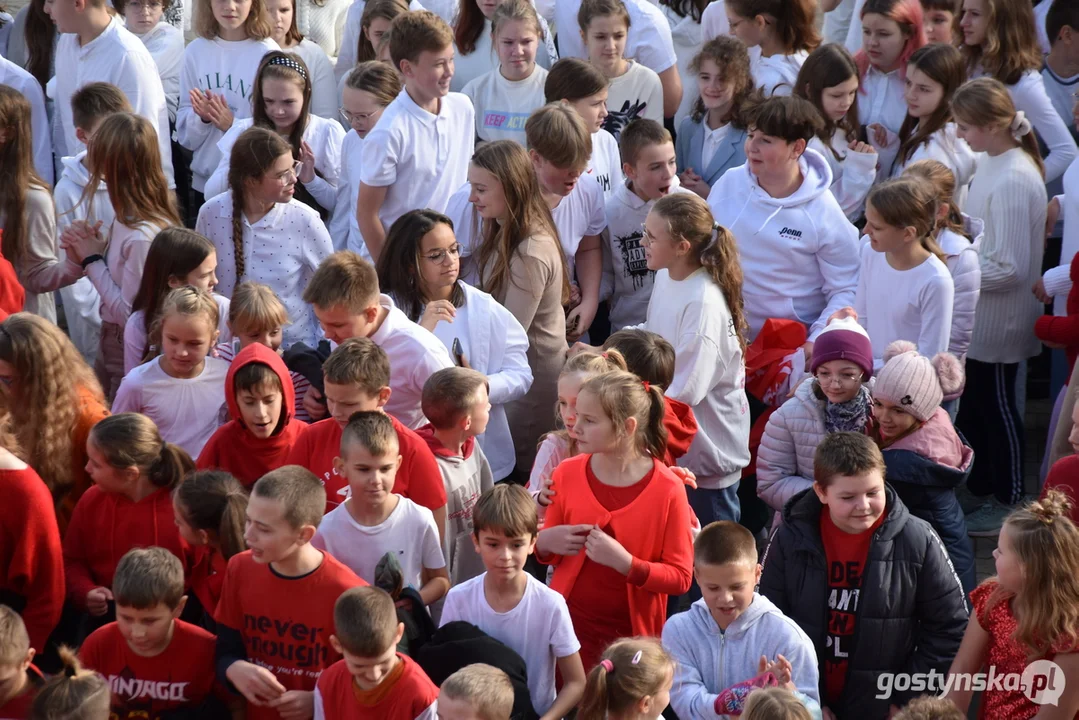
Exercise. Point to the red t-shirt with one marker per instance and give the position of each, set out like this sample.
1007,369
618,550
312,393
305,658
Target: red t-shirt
599,604
145,688
18,707
285,623
845,555
403,695
418,478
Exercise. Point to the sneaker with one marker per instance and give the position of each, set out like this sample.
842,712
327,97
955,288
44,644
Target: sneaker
968,501
987,520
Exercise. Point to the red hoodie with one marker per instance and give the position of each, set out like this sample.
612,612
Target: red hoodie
232,447
681,428
31,563
106,525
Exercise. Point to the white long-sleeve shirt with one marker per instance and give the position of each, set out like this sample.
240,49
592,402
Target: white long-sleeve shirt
118,57
323,83
224,68
914,304
1058,280
853,173
15,77
166,45
946,147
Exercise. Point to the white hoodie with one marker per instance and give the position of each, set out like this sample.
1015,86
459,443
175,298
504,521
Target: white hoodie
775,75
799,254
853,173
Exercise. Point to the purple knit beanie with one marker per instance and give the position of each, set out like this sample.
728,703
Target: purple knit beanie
843,339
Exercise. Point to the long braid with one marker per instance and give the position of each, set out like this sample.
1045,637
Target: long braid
238,231
254,152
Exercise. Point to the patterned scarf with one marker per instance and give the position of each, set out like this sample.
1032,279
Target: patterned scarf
849,416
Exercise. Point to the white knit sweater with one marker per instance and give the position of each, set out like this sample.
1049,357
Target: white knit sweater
1008,193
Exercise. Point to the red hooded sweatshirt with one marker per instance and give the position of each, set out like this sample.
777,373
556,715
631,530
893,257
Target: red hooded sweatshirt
681,428
106,525
232,447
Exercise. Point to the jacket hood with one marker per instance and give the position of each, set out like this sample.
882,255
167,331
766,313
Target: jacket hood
681,427
75,171
427,432
258,353
816,180
933,456
802,515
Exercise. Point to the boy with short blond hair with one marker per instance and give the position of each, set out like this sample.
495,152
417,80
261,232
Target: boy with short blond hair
356,377
374,521
372,680
560,147
648,163
476,692
275,614
418,154
457,403
515,608
345,296
19,679
154,662
726,569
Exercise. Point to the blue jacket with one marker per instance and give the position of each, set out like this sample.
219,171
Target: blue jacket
690,143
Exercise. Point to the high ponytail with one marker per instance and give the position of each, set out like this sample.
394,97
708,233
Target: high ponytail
215,501
75,693
629,671
133,440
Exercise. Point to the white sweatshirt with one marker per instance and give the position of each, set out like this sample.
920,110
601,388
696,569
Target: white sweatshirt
853,173
914,304
775,75
166,46
637,93
16,77
224,68
605,165
799,254
944,146
709,373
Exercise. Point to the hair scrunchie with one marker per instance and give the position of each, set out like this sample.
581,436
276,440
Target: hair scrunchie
1020,125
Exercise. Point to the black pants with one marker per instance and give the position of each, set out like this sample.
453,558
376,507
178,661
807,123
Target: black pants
990,420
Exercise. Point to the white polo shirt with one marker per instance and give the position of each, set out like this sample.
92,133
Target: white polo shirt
422,157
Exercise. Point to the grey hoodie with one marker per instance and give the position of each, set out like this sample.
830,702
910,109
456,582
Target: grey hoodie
708,660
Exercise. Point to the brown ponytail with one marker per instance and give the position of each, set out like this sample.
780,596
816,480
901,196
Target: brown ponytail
214,501
75,693
132,440
907,202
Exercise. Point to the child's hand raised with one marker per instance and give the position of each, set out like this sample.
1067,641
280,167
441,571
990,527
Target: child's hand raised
255,683
97,601
563,539
781,668
547,492
220,114
605,550
295,705
307,157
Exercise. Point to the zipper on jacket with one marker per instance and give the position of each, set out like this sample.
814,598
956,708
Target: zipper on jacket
722,652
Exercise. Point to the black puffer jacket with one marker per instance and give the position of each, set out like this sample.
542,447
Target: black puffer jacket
912,612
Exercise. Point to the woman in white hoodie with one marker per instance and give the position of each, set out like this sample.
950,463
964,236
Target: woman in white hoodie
798,250
420,270
780,34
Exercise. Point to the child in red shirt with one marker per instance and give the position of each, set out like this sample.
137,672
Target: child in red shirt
263,429
129,505
19,679
1025,614
275,616
1064,475
618,529
357,377
373,680
210,509
157,666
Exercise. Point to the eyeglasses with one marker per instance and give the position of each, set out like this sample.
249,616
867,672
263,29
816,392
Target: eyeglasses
843,380
291,174
353,118
439,256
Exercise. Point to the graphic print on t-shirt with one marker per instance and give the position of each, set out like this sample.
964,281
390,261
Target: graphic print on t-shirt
498,120
135,699
618,119
634,262
844,580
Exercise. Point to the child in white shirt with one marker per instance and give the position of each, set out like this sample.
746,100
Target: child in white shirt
905,291
217,80
635,90
884,59
418,154
182,390
164,41
504,97
585,89
280,241
373,521
780,34
474,46
286,33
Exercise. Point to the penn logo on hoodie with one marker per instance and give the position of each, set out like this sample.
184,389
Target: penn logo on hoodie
790,233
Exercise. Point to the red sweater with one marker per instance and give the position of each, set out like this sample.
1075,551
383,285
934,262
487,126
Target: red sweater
31,559
236,450
106,525
418,478
206,576
654,528
1064,330
18,707
681,427
403,694
285,623
149,687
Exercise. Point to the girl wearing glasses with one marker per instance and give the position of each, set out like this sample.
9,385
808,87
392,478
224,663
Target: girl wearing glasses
835,399
281,101
369,88
419,269
262,233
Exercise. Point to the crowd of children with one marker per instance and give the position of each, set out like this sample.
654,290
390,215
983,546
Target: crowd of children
371,360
